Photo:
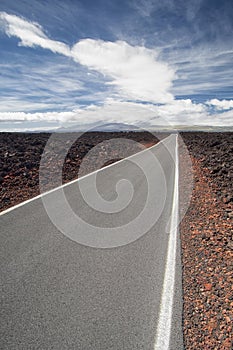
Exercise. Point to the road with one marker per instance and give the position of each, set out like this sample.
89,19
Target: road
60,294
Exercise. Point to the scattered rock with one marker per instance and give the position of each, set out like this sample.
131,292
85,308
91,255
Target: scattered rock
208,286
228,199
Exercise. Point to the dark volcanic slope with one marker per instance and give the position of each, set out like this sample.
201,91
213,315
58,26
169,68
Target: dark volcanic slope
215,152
20,155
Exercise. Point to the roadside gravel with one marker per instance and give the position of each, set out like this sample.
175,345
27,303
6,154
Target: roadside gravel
207,244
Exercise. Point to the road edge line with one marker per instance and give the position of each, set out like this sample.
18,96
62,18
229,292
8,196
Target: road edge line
163,332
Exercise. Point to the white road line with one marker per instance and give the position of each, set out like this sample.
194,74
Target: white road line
163,333
73,181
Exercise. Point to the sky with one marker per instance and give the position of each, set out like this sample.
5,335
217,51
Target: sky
144,63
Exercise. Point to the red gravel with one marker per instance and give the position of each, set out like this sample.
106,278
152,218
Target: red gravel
207,245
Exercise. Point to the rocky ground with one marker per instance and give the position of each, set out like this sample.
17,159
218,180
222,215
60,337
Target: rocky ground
207,244
206,230
20,157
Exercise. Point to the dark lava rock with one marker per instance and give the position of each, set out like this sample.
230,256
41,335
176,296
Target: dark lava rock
215,150
20,156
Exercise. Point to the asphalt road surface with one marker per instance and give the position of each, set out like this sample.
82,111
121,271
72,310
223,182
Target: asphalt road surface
59,294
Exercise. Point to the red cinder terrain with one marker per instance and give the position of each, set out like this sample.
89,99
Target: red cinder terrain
207,244
206,231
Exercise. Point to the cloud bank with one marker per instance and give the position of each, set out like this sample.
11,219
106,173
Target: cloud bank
178,113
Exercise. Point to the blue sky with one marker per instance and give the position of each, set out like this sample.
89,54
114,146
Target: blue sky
141,62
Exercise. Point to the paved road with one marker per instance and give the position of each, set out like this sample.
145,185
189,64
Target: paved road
58,294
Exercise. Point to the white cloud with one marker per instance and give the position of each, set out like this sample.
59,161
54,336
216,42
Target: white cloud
46,116
31,34
134,70
179,107
220,104
226,118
